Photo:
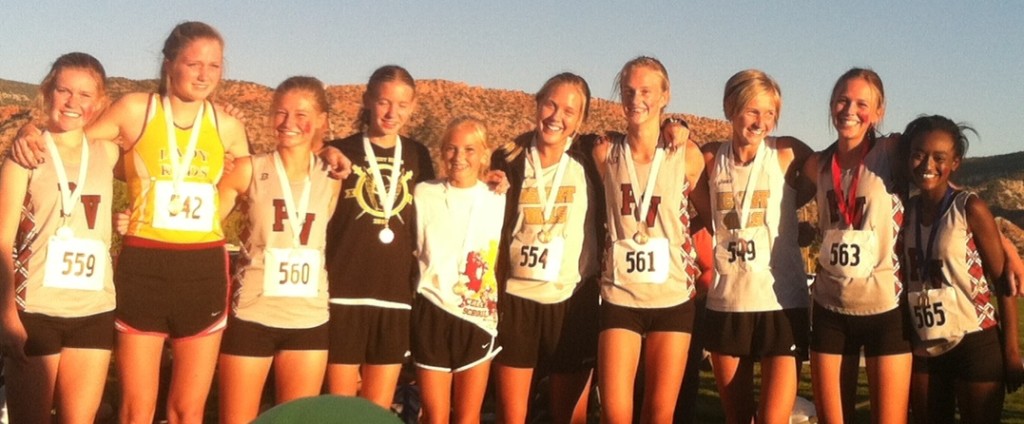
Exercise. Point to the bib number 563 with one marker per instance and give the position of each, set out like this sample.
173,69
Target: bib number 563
843,254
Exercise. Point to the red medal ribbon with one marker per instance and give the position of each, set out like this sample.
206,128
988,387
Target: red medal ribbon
847,203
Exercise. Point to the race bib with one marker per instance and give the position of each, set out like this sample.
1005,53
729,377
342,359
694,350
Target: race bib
849,253
75,263
190,209
743,250
536,260
291,272
646,263
928,310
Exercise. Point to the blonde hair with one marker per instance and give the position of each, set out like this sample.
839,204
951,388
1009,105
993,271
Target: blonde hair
74,60
869,76
310,85
478,130
643,62
744,86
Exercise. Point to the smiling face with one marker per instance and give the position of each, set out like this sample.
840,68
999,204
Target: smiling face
297,118
856,108
755,120
644,95
74,100
464,155
559,114
196,70
389,106
933,158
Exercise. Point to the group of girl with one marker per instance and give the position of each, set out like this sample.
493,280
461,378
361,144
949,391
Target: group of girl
585,262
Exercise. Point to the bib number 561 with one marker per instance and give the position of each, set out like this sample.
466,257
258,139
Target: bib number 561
844,254
640,261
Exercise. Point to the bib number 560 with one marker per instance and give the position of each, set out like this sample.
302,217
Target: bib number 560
294,273
844,254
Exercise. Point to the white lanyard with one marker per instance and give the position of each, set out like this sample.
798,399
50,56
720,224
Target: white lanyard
386,195
548,206
467,242
644,202
755,173
68,198
180,165
296,215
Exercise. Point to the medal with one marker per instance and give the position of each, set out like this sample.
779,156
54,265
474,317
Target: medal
386,236
65,233
640,237
176,205
644,202
386,194
544,236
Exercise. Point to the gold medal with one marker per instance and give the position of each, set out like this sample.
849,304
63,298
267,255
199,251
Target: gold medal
640,237
386,236
544,236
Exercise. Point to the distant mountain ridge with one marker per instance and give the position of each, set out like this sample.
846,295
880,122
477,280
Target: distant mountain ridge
508,113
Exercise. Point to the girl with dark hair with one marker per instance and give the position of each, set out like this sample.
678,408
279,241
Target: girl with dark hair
966,354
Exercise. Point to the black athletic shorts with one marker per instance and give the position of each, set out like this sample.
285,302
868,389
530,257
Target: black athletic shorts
881,334
48,335
443,342
171,293
361,334
246,338
758,334
677,318
978,358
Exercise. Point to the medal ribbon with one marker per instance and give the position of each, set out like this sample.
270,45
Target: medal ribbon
755,172
180,165
296,215
644,202
68,198
538,174
847,203
467,243
926,255
387,196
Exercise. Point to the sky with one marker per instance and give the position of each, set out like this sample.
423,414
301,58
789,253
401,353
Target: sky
964,60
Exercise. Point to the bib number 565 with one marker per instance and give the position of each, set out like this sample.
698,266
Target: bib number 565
931,315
